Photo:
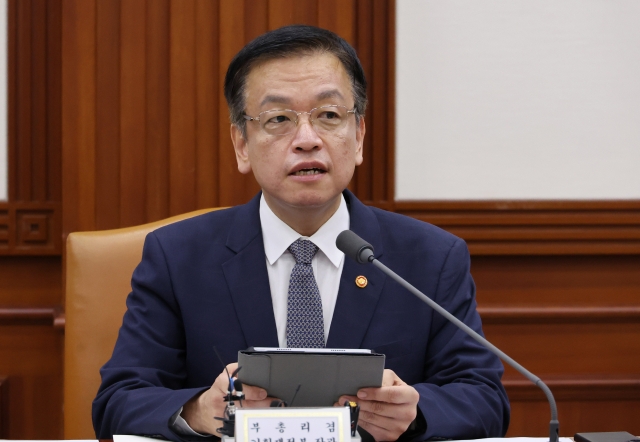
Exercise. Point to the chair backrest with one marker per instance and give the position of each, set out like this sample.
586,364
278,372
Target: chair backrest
99,267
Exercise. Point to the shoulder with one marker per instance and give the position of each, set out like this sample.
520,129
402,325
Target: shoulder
215,226
406,232
208,233
408,240
207,224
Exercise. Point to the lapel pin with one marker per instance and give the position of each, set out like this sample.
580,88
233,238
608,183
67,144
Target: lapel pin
361,282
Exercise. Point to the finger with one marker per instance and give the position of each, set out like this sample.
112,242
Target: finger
404,394
405,412
389,378
385,431
398,412
252,393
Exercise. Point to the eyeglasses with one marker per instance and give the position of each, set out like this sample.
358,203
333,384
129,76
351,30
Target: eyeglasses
328,118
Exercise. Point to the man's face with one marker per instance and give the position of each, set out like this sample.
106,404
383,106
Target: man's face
303,169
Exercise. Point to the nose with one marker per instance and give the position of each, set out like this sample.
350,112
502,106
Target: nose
306,137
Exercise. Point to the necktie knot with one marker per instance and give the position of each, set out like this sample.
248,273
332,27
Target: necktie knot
303,251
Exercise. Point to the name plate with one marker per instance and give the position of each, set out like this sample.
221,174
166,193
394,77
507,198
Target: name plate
331,424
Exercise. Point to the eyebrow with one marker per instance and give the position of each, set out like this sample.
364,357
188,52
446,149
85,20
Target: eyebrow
275,99
329,94
285,100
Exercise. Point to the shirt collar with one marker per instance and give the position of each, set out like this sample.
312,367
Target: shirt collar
278,236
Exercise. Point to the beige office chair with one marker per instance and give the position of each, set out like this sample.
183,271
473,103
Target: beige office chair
99,267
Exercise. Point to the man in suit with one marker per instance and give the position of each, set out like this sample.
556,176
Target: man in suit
268,273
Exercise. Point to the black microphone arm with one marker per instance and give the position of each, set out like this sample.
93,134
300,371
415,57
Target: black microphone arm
362,252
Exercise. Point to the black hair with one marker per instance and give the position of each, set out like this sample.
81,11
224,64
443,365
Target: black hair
285,42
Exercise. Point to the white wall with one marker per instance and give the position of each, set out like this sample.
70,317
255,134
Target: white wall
518,99
3,101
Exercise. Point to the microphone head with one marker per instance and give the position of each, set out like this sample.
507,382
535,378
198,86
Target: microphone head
238,385
354,247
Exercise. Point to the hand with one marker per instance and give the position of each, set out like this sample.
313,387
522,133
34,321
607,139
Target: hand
386,412
199,412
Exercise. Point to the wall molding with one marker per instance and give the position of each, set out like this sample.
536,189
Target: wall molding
559,315
576,388
53,316
30,228
534,227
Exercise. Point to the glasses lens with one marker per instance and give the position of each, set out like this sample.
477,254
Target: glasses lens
278,122
329,118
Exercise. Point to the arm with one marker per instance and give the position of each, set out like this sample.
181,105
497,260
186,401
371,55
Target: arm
142,382
461,395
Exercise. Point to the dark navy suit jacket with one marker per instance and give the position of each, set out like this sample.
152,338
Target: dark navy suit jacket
203,282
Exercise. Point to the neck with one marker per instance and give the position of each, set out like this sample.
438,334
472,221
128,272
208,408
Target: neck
304,220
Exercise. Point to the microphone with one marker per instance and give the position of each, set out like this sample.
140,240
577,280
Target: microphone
362,252
354,247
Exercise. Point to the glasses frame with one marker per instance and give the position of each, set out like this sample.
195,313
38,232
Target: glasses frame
257,118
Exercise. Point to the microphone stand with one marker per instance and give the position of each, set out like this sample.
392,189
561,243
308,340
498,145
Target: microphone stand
554,424
361,251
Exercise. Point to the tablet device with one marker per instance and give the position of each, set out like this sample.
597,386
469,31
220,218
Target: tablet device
323,374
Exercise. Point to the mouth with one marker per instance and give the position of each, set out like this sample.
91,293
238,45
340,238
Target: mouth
310,171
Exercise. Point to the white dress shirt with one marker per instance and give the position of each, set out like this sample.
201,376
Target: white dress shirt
327,263
327,268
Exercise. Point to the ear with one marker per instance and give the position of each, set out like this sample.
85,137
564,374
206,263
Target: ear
241,148
360,131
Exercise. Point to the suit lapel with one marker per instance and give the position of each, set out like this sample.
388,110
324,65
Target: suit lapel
247,278
355,306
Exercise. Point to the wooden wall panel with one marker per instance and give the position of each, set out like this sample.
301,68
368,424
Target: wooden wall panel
107,121
536,227
375,42
31,347
157,109
232,28
30,227
585,415
575,322
145,123
27,282
182,93
557,281
31,359
32,173
207,84
79,115
30,219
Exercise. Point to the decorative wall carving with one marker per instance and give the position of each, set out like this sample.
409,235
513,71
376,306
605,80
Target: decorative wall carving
28,228
4,229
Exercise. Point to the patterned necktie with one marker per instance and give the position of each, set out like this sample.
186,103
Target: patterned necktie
305,324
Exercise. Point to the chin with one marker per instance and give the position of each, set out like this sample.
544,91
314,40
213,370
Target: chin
313,200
